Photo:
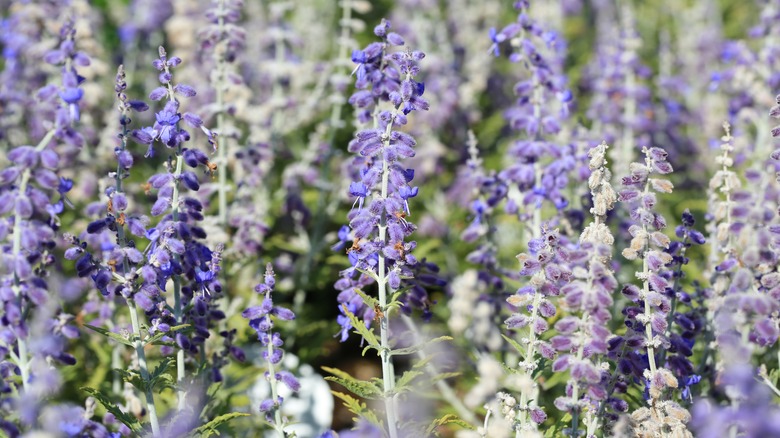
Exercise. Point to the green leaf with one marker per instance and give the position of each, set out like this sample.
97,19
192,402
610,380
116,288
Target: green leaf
160,368
155,339
360,388
514,344
370,301
415,348
126,419
115,336
360,328
447,419
211,427
406,379
356,407
132,377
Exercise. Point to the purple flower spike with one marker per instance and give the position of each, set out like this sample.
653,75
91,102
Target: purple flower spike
262,319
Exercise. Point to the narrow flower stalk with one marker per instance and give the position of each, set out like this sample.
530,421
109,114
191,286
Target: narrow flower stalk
379,252
22,357
647,235
590,295
225,39
650,244
32,196
176,252
124,161
144,368
262,319
537,165
546,268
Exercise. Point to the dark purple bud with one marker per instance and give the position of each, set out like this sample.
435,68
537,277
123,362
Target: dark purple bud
538,415
190,181
138,105
182,341
254,312
97,226
101,279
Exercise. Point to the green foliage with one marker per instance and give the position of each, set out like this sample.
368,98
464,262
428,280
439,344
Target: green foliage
126,419
360,388
357,407
561,424
514,344
362,330
404,383
211,428
109,334
445,420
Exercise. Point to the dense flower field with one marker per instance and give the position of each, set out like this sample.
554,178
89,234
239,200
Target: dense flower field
400,218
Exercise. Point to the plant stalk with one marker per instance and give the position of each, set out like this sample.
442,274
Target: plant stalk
142,365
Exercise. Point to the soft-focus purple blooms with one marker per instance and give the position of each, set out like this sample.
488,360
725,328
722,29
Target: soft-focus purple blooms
687,316
539,165
32,196
752,412
622,102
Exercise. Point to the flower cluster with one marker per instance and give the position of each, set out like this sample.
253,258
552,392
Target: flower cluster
379,228
261,319
537,165
32,196
583,337
648,243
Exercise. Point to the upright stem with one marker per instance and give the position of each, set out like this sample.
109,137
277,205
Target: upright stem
177,304
646,286
139,351
274,390
388,373
21,343
528,365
